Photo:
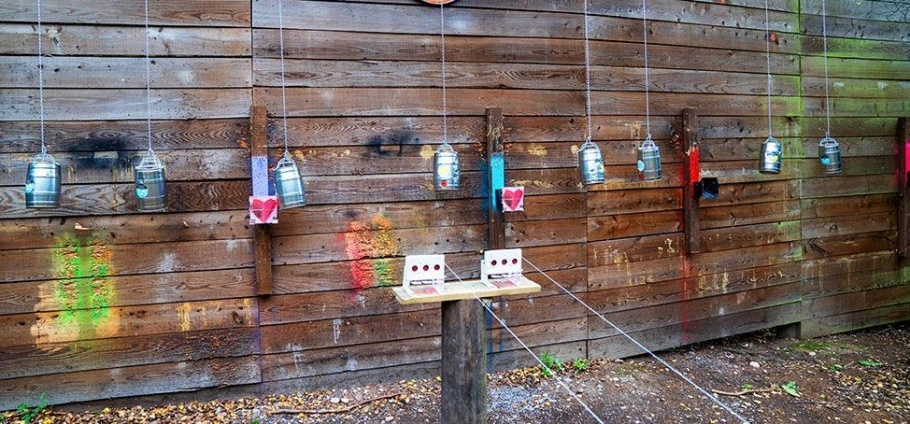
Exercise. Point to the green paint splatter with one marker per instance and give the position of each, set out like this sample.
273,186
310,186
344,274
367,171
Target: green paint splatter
84,290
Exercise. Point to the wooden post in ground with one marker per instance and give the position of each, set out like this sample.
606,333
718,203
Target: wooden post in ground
464,361
690,177
903,201
262,238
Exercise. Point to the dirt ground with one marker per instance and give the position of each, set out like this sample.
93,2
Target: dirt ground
860,377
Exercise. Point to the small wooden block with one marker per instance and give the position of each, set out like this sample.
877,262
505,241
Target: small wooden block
465,290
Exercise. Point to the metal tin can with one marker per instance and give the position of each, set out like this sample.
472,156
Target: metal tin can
42,183
829,155
288,183
770,156
648,161
590,163
446,169
151,188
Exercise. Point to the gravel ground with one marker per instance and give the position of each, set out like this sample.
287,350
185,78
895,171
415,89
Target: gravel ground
860,377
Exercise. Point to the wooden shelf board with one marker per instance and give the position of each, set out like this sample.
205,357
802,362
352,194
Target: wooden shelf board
465,290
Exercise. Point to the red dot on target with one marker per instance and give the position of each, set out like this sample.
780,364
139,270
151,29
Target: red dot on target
414,268
426,267
514,261
494,262
436,267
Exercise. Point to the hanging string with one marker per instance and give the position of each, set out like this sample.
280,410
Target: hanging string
825,44
642,347
148,82
41,84
525,346
644,7
284,101
442,32
768,58
589,129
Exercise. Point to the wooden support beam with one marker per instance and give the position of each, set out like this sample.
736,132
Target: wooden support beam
262,237
691,177
903,201
496,230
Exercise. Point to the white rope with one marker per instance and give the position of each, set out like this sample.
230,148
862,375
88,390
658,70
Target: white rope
284,101
148,82
644,7
642,347
41,84
768,58
825,43
549,371
589,133
442,36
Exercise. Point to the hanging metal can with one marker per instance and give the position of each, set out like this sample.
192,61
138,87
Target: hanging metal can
42,182
829,155
590,163
770,156
151,188
446,170
648,161
289,184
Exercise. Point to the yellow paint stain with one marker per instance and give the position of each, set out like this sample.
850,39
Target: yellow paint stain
183,313
537,150
427,152
635,129
670,248
574,150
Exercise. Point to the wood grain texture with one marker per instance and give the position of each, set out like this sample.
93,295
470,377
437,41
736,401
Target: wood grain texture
191,13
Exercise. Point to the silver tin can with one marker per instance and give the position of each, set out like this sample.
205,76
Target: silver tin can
771,152
829,155
288,184
648,161
447,173
590,163
42,183
151,186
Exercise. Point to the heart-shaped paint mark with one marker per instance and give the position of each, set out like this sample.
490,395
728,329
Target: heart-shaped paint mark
513,198
263,209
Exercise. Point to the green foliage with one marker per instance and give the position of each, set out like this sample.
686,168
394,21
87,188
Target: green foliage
791,388
580,365
836,367
870,363
28,413
747,386
550,364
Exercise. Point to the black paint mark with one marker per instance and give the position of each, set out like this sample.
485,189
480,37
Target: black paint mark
398,143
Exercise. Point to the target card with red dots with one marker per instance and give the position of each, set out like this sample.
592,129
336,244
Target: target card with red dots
424,270
500,264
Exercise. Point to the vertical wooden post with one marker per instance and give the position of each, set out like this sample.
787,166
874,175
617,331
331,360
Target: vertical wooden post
262,238
903,201
464,360
691,177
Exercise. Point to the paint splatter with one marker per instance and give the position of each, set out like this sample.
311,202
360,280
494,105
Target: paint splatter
83,293
368,246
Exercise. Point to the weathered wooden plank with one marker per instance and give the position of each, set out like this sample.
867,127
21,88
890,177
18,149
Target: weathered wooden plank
131,381
197,13
605,103
859,281
109,40
844,225
58,358
526,310
284,309
539,336
866,88
823,270
871,10
85,325
852,321
760,192
337,360
30,233
691,180
689,312
849,244
613,202
628,274
513,359
722,261
110,104
565,155
131,290
848,186
23,137
304,101
866,28
746,171
815,106
418,370
121,72
715,151
548,129
349,331
752,213
632,225
903,182
857,301
747,236
812,43
117,166
739,127
536,233
82,200
851,147
546,207
634,249
381,155
341,45
376,243
40,264
377,130
694,331
262,237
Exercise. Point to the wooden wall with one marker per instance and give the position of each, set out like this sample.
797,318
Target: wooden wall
101,301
